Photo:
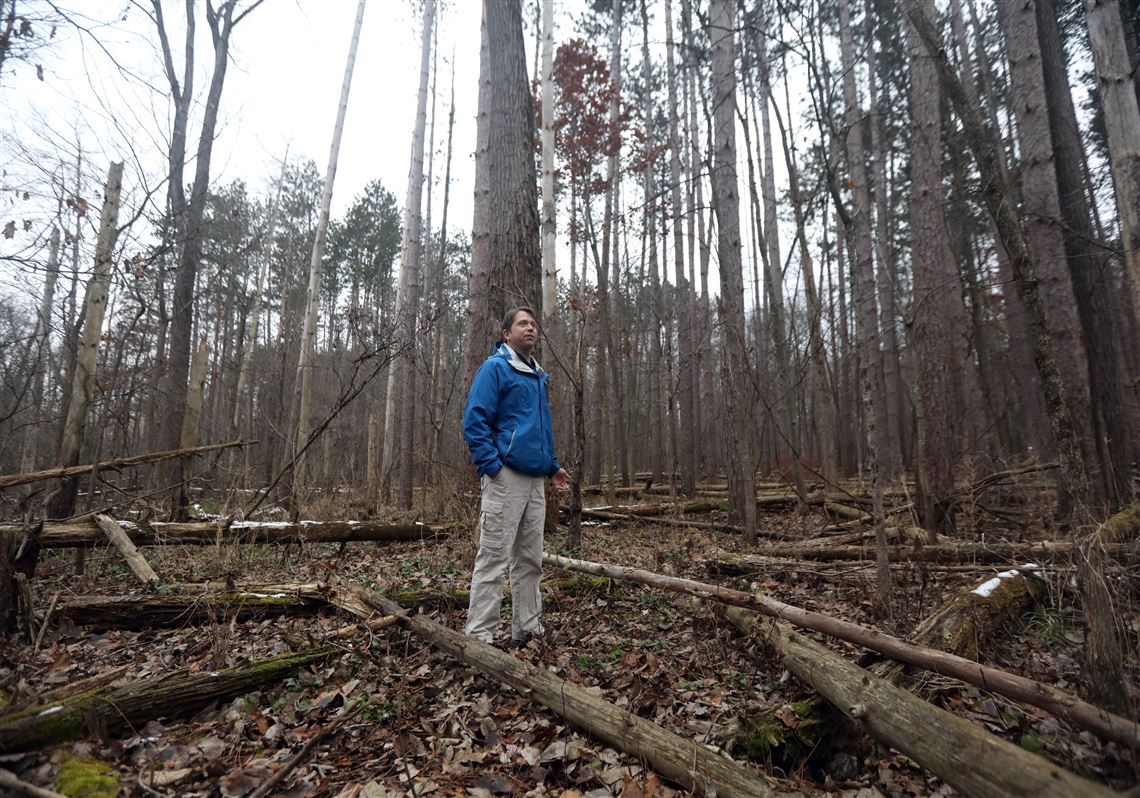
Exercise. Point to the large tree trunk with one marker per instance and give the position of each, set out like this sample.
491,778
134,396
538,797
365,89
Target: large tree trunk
736,370
506,265
940,327
1122,120
549,225
132,705
309,336
966,757
401,399
62,503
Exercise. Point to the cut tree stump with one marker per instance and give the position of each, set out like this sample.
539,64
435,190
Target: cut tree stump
966,757
111,710
1058,702
682,761
138,564
58,535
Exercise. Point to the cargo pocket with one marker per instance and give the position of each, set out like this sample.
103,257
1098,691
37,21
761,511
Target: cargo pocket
491,525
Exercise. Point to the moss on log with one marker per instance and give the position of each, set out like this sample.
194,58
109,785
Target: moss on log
109,710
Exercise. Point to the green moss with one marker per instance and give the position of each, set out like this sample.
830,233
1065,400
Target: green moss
87,777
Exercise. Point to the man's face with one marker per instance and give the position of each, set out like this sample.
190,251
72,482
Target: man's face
523,334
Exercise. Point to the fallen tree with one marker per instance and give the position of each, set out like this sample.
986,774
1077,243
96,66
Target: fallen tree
683,761
12,480
203,533
601,515
992,553
152,612
109,710
963,755
1058,702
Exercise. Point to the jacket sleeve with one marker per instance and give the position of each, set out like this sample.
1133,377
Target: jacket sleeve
479,420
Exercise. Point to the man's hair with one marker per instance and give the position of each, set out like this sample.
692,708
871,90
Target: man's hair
509,319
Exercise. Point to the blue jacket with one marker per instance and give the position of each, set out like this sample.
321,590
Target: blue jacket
507,417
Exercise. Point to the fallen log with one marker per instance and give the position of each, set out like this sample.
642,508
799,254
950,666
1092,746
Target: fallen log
132,705
683,761
138,564
199,533
11,480
966,757
1058,702
696,506
1122,527
601,515
154,612
992,553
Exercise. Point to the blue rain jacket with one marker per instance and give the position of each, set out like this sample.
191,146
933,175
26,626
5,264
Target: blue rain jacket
507,417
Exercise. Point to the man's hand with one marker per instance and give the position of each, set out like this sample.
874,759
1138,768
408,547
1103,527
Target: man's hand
562,480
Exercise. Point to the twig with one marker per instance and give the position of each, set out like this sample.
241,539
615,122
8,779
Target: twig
44,626
269,784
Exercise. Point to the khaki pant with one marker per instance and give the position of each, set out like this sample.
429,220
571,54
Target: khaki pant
512,512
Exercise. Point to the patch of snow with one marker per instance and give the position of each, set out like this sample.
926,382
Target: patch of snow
128,525
264,595
50,711
260,525
990,585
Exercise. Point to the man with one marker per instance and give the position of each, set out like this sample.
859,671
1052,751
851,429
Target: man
507,427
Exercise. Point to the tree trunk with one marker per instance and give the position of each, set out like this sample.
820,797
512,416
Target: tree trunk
549,225
193,407
1117,89
132,705
309,335
506,266
39,348
735,368
62,503
939,320
966,757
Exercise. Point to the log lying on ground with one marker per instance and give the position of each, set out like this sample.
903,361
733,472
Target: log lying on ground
1122,527
154,612
992,553
696,506
761,566
651,521
683,761
11,480
1058,702
138,564
112,709
199,533
963,755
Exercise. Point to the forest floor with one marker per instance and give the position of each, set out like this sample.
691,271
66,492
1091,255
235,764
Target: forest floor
430,725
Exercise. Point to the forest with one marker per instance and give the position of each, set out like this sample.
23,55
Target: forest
838,311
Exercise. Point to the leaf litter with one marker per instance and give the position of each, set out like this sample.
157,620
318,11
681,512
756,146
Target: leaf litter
425,724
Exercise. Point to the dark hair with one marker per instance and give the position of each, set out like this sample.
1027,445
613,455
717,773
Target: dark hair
509,319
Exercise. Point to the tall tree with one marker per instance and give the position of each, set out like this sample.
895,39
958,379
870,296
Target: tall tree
735,367
221,20
549,224
1122,120
506,265
308,337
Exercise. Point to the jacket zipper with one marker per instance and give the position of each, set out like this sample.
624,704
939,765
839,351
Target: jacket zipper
512,443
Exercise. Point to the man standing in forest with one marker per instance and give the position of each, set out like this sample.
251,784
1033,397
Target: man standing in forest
507,427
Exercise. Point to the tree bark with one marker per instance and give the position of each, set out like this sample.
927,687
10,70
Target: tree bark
735,367
119,540
1118,97
83,382
966,757
132,705
549,224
